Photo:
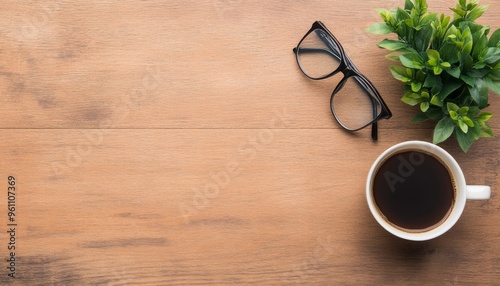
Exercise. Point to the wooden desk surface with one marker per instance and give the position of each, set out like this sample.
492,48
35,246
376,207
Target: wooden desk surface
177,143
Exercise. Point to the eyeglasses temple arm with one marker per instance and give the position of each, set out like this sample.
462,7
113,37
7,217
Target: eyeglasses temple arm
374,131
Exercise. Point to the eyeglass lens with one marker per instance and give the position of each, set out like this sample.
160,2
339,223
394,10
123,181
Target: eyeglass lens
318,55
354,105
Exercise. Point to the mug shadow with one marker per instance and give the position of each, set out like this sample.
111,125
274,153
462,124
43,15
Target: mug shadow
395,252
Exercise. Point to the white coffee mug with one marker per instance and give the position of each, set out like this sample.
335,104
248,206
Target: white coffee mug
463,191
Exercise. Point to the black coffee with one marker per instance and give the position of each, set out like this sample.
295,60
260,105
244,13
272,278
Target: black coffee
414,191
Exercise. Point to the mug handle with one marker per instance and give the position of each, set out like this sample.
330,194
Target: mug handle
476,192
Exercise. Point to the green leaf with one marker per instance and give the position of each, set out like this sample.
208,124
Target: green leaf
472,5
386,15
445,65
493,85
411,60
476,130
423,6
409,72
492,55
449,52
400,73
495,74
432,81
415,86
420,76
428,18
448,88
494,39
435,113
394,56
379,29
468,121
473,111
470,81
486,131
464,140
463,110
419,117
452,106
459,13
424,106
476,13
467,48
435,100
479,92
479,65
453,115
451,33
466,61
402,15
483,117
478,74
423,38
454,71
433,57
463,126
410,99
409,5
408,22
393,45
444,128
479,45
474,27
433,54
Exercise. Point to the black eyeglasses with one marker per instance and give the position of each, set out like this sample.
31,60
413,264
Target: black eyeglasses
355,102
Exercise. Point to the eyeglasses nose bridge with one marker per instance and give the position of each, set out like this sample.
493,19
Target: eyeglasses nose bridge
347,72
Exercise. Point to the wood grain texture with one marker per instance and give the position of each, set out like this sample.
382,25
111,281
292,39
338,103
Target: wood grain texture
177,143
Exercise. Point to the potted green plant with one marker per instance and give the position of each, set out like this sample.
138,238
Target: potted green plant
447,64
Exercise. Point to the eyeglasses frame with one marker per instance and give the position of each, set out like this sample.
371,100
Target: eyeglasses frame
348,68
